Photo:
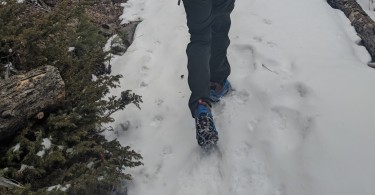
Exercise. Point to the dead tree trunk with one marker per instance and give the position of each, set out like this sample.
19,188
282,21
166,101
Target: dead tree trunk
362,23
24,96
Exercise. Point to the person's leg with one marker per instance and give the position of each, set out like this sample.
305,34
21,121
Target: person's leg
199,20
219,65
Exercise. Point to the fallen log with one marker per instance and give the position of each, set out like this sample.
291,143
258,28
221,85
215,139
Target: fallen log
24,96
9,183
363,24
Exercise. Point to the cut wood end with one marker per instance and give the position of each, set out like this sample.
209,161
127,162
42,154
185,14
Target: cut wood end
40,115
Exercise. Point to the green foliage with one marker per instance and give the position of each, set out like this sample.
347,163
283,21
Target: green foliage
29,33
79,155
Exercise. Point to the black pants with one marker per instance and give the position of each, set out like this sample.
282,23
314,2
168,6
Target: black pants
209,23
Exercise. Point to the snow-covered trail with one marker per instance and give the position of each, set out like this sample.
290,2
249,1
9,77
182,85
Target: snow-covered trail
300,121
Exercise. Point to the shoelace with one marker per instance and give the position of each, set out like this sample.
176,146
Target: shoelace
205,129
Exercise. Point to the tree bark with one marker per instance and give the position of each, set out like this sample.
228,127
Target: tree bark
24,96
362,23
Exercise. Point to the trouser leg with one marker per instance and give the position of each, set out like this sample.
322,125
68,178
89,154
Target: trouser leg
199,19
219,65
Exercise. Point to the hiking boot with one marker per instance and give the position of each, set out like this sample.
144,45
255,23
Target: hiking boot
218,91
205,128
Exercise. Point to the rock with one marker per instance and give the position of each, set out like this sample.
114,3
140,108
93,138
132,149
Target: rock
118,49
361,22
124,39
108,29
127,32
24,96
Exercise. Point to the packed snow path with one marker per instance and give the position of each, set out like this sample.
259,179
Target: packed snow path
300,121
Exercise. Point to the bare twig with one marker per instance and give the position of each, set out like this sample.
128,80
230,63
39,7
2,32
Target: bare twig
264,66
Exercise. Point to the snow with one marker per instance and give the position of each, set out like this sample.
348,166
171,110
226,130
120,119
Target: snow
100,178
300,121
89,165
66,187
41,153
133,11
368,6
9,65
46,142
59,187
53,187
94,78
16,147
69,150
107,46
24,167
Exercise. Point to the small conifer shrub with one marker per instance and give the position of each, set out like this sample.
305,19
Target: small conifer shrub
66,150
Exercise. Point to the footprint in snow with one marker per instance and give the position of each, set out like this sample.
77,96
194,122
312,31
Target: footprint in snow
294,124
143,84
156,121
271,44
302,90
159,102
245,55
267,21
251,126
240,97
252,60
268,43
295,91
243,150
167,151
258,39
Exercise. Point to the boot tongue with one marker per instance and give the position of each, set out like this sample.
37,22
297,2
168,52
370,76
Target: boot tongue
216,86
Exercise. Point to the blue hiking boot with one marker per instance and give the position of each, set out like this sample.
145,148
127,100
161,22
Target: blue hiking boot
218,91
207,135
